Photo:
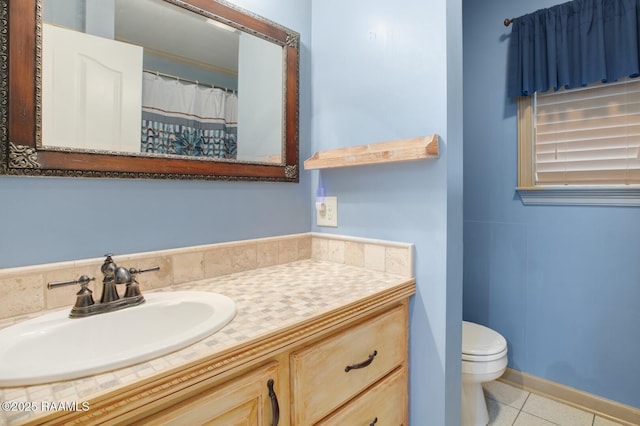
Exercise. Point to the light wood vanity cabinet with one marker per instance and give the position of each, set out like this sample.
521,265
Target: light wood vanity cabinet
356,375
348,366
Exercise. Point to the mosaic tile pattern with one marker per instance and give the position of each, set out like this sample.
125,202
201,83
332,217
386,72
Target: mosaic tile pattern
23,290
267,299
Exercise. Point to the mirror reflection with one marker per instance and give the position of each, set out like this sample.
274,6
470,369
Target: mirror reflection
148,77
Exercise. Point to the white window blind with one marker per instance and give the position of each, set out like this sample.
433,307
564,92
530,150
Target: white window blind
588,136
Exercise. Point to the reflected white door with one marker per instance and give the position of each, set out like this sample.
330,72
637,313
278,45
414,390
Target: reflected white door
91,91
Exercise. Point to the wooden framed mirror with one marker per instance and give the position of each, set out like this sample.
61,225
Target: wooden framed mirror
27,114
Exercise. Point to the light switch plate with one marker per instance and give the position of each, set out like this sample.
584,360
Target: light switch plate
328,215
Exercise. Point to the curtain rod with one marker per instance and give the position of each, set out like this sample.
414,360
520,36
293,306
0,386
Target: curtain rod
162,74
507,21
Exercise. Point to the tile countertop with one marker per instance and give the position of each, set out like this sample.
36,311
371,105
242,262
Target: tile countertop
267,299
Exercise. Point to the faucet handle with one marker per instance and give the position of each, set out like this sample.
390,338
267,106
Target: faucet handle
134,271
83,280
133,288
84,297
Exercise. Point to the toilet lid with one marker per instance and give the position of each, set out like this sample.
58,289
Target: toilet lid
481,341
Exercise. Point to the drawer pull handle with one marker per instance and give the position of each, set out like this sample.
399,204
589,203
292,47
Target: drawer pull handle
275,407
362,364
373,422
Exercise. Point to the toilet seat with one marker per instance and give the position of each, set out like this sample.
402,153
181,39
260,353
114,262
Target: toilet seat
480,343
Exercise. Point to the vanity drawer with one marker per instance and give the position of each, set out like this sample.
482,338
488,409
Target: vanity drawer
332,371
386,403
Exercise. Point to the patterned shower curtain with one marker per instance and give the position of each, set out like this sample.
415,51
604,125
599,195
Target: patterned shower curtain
183,118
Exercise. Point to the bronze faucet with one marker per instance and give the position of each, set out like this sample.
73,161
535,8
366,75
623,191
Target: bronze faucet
110,300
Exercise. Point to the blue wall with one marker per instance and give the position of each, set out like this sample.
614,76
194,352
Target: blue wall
562,284
379,73
55,219
382,72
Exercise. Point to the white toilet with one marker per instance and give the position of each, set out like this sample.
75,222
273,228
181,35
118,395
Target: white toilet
484,358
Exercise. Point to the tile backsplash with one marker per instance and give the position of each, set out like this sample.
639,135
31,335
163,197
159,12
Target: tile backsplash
23,290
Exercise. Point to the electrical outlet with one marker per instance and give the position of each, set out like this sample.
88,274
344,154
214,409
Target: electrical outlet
327,211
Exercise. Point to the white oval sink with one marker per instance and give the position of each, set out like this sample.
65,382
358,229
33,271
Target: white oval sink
54,347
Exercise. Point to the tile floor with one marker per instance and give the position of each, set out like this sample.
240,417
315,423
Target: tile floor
510,406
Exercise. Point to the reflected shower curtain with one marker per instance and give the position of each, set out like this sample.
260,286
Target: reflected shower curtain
188,119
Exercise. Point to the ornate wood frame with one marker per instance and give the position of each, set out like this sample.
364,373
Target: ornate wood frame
20,107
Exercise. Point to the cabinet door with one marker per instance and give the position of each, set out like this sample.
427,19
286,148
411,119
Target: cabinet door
245,401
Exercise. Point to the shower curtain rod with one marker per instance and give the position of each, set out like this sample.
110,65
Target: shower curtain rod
162,74
507,21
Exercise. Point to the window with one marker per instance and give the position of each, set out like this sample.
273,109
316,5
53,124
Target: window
581,146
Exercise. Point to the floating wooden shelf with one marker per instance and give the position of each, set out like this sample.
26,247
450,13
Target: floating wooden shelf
422,148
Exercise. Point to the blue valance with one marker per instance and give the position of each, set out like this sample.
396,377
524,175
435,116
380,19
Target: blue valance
574,44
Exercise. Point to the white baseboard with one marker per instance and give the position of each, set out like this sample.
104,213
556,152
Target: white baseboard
603,407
